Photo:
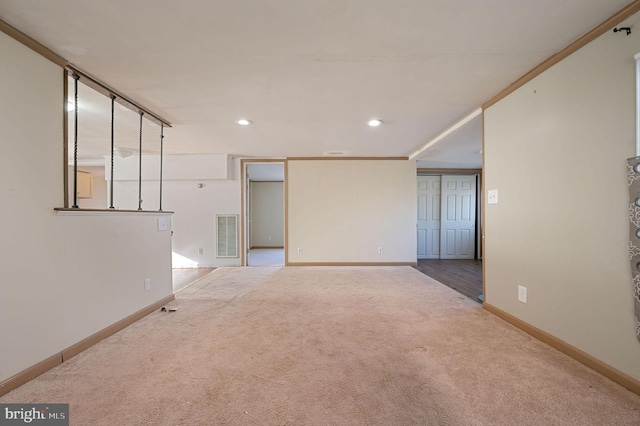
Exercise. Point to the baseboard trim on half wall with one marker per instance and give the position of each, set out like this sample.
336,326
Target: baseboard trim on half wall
606,370
43,366
84,344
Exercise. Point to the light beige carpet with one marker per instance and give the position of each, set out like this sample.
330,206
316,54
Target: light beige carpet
182,277
327,346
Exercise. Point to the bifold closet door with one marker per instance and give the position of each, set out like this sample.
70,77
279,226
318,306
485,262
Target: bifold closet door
458,217
429,217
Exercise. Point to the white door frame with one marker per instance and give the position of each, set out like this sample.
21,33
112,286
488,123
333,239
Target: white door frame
245,206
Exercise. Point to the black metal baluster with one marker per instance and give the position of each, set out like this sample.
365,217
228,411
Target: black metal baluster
161,157
113,101
75,143
140,166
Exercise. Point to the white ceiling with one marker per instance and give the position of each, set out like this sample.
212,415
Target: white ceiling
308,73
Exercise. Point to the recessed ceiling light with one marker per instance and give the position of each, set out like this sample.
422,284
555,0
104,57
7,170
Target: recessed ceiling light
243,122
375,122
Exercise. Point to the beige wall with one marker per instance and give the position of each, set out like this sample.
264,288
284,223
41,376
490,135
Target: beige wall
556,151
343,210
267,214
62,278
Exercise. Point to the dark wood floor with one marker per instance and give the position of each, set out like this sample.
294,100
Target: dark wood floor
464,276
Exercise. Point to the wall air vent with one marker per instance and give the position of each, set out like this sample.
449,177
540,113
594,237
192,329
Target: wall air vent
227,239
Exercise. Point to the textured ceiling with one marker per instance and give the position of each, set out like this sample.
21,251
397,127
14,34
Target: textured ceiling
308,73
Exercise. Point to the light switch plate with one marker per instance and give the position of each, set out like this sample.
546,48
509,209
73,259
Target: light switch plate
492,196
522,294
162,224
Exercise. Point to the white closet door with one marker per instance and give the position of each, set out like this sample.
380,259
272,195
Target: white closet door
429,217
458,217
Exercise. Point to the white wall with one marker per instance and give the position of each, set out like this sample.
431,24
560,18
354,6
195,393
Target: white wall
196,188
194,222
341,211
62,278
267,214
556,150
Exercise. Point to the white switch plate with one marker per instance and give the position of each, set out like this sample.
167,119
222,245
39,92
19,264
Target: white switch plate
162,224
522,294
492,196
147,284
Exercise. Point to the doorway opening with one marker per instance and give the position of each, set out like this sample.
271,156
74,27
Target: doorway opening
263,213
449,243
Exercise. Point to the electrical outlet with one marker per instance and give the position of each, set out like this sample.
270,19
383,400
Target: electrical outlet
200,251
522,294
299,250
380,250
147,284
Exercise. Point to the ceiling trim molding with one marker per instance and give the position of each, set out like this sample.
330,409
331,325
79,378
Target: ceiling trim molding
32,44
346,158
450,130
427,171
587,38
263,160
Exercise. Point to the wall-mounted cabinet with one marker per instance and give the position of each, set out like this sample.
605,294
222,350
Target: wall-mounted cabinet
84,185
